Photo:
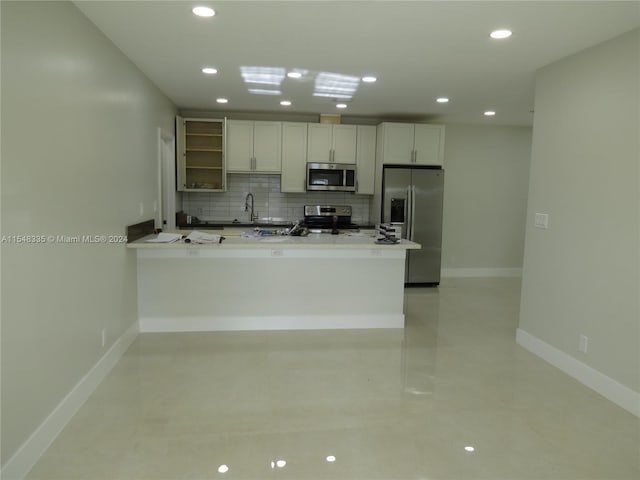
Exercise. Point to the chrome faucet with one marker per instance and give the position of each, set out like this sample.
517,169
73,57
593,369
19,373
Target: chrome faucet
246,207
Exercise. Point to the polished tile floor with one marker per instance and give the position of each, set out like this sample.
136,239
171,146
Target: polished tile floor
374,404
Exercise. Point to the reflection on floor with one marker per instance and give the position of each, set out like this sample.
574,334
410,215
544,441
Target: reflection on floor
450,397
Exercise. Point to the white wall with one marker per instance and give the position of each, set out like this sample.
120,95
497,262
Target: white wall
485,199
79,141
581,276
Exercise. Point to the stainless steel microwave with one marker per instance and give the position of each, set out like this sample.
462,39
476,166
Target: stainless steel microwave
337,177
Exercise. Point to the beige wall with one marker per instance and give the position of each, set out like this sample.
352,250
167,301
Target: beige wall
581,275
485,196
79,136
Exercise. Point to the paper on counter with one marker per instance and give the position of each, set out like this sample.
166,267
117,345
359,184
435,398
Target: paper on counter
165,238
201,237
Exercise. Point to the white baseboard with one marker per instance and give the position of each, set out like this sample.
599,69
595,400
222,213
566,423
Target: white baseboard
607,387
18,466
283,322
481,272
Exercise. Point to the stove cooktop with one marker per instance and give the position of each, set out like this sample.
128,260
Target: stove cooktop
328,218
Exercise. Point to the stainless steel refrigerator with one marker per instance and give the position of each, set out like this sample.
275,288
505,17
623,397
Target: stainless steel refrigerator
413,196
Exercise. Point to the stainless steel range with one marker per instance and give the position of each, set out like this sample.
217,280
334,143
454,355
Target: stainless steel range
328,218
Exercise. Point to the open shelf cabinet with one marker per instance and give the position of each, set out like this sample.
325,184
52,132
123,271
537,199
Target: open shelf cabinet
200,154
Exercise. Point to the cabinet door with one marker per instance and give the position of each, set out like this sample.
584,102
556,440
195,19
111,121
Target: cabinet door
239,148
344,143
294,157
319,142
397,143
428,144
366,159
267,146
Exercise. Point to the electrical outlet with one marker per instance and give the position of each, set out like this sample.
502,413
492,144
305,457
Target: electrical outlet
103,336
541,220
583,343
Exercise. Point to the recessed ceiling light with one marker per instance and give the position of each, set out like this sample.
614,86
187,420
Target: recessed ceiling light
294,75
500,34
369,79
442,99
489,113
210,70
331,458
223,469
341,105
469,448
222,100
285,103
203,11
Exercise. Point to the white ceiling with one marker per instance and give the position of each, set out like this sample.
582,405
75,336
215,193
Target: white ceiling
419,50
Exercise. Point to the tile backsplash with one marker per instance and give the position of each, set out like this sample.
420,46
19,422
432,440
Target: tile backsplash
268,201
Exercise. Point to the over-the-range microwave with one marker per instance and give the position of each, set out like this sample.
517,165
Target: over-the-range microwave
337,177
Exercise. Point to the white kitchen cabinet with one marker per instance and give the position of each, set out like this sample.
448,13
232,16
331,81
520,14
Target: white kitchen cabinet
409,143
294,157
200,155
331,143
366,159
253,147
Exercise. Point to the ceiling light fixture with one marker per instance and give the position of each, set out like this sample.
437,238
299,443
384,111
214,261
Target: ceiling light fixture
469,448
285,103
210,70
341,105
203,11
501,34
294,75
489,113
335,85
222,100
264,91
442,100
369,79
223,469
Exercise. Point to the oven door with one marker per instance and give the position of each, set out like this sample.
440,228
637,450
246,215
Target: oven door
331,176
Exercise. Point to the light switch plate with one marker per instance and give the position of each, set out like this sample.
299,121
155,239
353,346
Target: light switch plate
541,220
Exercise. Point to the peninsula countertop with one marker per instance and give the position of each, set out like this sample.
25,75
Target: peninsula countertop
233,240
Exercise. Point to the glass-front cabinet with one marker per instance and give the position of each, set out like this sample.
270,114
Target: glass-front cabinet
200,154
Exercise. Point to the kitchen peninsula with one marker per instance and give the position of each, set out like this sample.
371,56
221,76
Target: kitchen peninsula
319,281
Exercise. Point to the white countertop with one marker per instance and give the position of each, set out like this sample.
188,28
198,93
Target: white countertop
233,240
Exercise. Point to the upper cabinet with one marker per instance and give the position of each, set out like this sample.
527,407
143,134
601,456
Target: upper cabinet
331,143
253,147
294,157
409,143
366,159
200,149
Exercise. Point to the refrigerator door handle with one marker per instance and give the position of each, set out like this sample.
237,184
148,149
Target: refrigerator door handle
410,211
